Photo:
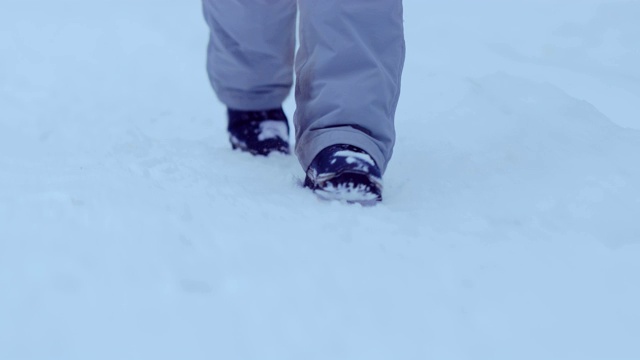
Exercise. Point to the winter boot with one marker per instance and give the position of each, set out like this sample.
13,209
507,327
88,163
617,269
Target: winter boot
345,173
259,132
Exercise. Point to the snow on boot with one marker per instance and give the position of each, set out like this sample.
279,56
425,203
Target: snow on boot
259,132
345,173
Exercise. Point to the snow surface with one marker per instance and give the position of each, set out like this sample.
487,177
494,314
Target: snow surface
510,227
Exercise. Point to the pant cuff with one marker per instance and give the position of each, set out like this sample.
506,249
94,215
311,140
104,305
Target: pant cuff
249,102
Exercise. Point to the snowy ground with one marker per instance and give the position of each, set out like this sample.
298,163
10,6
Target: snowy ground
510,227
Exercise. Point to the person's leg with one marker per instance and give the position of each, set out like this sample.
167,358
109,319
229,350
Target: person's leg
349,67
250,53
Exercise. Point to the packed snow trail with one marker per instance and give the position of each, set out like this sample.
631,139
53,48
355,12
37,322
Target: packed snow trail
130,230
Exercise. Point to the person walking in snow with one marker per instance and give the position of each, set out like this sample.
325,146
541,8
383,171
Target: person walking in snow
348,69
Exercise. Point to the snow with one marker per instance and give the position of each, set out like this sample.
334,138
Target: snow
273,130
352,156
509,230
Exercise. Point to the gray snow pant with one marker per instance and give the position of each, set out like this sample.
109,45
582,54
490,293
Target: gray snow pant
348,67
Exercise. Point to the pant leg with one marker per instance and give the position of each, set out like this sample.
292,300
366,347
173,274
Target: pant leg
250,53
348,68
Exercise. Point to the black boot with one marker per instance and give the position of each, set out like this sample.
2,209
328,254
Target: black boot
346,173
259,132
